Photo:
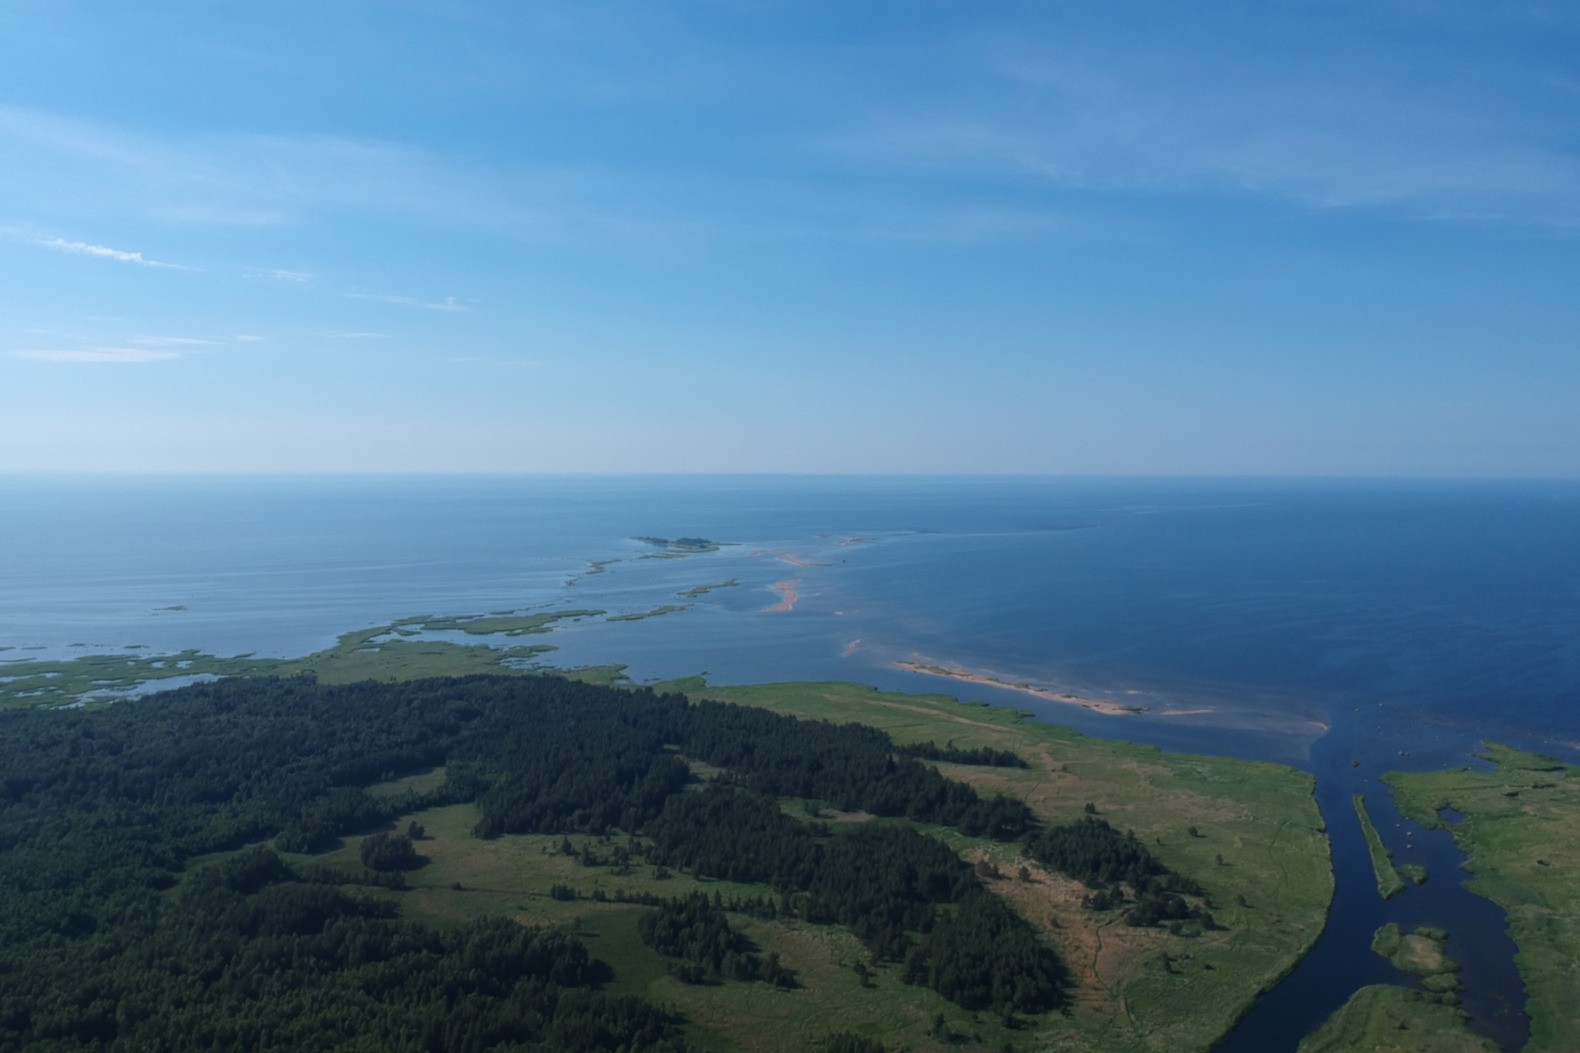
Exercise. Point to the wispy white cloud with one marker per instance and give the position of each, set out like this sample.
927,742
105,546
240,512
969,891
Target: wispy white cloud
246,179
1192,104
83,248
280,274
258,180
487,360
96,354
173,341
448,304
135,349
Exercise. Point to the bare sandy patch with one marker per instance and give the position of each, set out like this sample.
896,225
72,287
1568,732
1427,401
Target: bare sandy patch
988,678
788,595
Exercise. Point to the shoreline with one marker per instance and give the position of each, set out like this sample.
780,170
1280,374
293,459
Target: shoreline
988,678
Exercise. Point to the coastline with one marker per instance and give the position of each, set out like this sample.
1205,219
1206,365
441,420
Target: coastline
988,678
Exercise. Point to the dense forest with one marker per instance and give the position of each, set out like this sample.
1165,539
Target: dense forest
108,940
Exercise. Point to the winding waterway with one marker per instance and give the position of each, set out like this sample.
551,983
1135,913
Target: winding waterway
1342,962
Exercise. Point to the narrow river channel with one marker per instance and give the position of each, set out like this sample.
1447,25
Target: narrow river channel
1342,961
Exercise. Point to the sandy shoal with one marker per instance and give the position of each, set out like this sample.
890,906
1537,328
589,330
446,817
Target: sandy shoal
988,678
787,595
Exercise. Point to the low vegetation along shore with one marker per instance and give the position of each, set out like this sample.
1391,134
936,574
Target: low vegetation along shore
1389,883
1516,822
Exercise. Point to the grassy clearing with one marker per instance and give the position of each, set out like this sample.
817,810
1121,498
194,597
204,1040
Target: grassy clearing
1420,953
1139,989
1519,836
422,782
512,876
1389,883
1386,1019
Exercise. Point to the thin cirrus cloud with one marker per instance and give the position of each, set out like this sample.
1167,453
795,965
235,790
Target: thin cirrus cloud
236,179
103,252
1215,109
448,304
173,342
122,355
280,274
137,350
259,180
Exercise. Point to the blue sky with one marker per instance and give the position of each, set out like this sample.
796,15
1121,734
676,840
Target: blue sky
1321,237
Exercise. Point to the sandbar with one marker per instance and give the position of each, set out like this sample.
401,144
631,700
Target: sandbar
988,678
787,595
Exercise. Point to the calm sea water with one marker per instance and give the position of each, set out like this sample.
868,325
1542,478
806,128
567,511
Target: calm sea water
1317,623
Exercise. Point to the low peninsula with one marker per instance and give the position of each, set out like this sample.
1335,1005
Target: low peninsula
1068,891
988,678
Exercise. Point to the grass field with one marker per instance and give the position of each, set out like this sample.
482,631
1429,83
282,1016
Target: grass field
1139,989
1389,882
513,876
1383,1018
1518,833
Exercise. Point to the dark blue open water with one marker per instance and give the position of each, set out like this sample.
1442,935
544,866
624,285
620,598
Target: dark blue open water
1409,619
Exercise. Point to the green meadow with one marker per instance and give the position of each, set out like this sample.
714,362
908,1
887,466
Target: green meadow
1518,833
1384,1018
1389,882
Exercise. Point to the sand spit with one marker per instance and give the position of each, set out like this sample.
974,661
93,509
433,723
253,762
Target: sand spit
787,595
987,678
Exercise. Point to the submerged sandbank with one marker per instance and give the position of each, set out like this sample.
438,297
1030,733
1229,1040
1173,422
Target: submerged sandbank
787,595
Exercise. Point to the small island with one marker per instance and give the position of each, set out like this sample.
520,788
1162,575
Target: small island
677,548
